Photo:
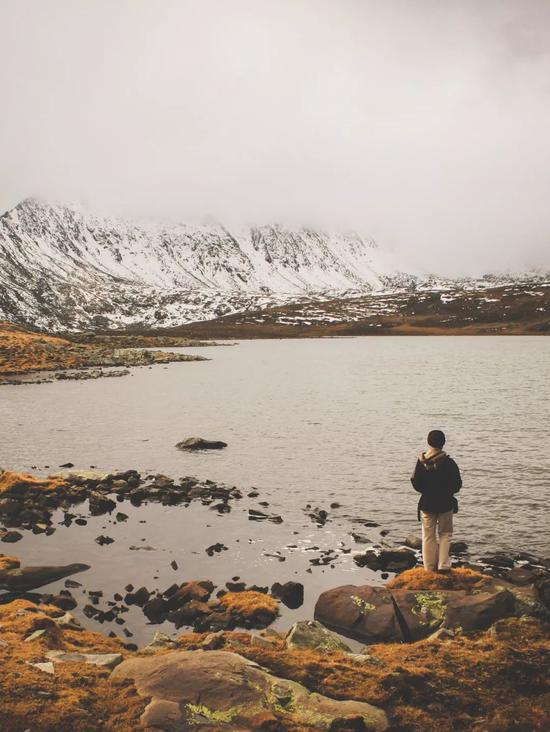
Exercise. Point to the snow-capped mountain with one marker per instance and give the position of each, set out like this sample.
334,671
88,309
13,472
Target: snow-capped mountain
64,268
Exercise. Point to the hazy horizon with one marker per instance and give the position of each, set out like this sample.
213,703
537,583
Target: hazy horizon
423,125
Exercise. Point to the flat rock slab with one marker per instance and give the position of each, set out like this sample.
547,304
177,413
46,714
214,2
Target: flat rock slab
29,578
72,475
105,660
217,690
361,612
199,443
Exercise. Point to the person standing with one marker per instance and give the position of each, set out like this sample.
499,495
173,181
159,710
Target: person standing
437,478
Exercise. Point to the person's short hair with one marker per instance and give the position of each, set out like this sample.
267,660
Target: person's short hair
436,438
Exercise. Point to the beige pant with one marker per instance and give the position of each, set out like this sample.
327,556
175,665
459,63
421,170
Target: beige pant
436,555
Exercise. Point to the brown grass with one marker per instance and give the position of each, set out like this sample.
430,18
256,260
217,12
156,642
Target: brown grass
456,579
79,697
8,562
249,603
433,685
12,482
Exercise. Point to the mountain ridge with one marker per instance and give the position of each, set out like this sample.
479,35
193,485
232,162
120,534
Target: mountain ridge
63,268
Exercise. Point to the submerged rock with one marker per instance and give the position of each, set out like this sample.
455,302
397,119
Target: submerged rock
219,690
199,443
10,537
30,578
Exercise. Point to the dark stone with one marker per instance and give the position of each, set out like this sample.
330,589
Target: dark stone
391,560
215,548
199,443
100,504
72,583
156,609
458,547
498,560
67,465
236,586
189,613
255,515
10,537
290,594
139,597
101,540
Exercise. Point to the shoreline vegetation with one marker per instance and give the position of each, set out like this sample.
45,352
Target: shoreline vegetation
465,651
24,352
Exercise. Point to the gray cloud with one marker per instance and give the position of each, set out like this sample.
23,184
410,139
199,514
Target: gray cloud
424,124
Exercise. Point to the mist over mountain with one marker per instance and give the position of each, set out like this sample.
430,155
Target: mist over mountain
64,267
423,124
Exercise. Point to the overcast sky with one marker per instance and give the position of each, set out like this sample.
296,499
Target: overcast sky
422,123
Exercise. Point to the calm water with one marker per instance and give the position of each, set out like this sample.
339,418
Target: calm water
307,421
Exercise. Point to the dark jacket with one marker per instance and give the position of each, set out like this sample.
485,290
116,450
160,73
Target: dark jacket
437,479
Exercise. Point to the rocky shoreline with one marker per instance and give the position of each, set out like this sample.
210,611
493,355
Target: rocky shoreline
431,640
26,355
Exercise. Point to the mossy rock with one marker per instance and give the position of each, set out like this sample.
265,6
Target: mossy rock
194,690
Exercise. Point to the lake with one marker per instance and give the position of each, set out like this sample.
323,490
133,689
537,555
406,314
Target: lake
307,422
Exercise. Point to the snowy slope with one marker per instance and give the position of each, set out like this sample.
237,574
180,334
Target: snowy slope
62,267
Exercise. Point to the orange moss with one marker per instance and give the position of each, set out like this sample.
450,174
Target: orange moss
249,603
22,350
495,681
11,482
433,685
78,697
456,579
8,563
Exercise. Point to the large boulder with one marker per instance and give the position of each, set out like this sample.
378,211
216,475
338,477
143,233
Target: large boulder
361,612
422,612
217,690
199,443
377,614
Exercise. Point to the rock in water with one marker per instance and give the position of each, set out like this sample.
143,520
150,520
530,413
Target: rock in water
220,690
29,578
290,594
10,537
199,443
391,560
413,541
